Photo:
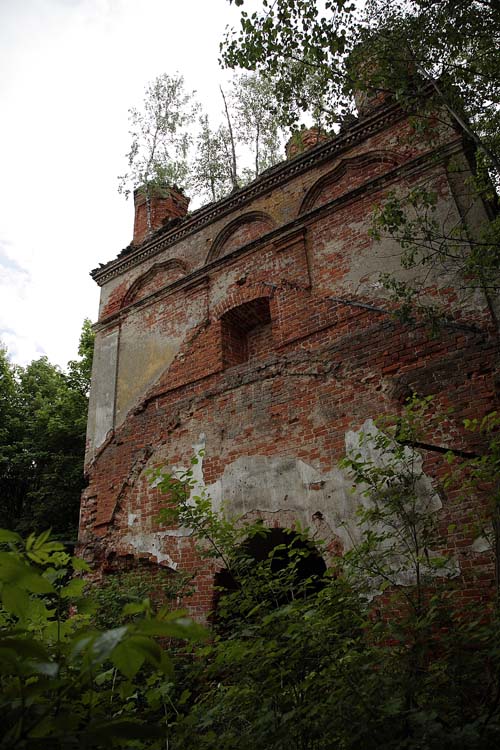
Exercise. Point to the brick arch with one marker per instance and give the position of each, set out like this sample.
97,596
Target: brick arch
241,296
240,232
319,529
362,168
258,547
157,277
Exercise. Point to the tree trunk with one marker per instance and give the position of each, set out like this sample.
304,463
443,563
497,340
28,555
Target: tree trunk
234,175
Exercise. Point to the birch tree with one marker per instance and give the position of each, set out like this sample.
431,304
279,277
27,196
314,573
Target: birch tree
258,127
248,141
158,155
212,175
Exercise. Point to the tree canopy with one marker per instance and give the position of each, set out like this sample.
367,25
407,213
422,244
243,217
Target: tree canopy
451,47
43,419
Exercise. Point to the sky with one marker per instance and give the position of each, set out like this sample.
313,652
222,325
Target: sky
69,71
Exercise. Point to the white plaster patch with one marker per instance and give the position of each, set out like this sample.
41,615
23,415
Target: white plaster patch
150,543
273,484
481,544
363,443
363,446
283,483
132,518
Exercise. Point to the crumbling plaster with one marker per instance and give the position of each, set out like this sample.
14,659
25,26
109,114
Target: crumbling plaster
138,348
286,487
276,424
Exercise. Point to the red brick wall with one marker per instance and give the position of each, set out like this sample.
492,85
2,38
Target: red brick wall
300,406
297,346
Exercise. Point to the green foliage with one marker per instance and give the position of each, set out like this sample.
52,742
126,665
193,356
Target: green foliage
439,644
113,592
479,476
80,370
440,61
451,46
160,139
484,470
406,49
303,46
211,169
286,677
257,127
189,505
42,441
397,521
251,133
63,683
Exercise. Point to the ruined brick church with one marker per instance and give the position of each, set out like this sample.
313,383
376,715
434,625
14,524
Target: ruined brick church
256,328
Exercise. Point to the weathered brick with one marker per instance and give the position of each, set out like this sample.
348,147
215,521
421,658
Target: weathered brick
257,330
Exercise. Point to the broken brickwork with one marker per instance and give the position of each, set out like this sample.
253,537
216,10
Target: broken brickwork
257,329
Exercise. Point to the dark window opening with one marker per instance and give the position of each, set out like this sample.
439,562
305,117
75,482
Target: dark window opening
246,332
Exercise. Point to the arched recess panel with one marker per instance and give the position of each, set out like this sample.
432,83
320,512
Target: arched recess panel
348,175
159,276
240,232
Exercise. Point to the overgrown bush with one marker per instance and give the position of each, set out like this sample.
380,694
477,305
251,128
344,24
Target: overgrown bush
117,589
63,683
379,651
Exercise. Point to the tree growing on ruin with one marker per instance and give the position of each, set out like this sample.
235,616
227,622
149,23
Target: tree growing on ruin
211,174
258,127
158,155
247,142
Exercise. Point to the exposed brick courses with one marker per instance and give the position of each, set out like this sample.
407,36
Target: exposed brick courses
263,337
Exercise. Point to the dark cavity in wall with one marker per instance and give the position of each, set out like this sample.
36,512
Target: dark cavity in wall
284,549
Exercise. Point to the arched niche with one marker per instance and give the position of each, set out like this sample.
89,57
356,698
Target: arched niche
240,232
348,175
157,277
246,332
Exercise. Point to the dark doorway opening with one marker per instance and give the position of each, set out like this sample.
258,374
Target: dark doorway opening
284,550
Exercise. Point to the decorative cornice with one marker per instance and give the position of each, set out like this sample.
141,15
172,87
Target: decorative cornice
294,231
270,179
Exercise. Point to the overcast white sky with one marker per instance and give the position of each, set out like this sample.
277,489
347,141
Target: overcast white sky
69,71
